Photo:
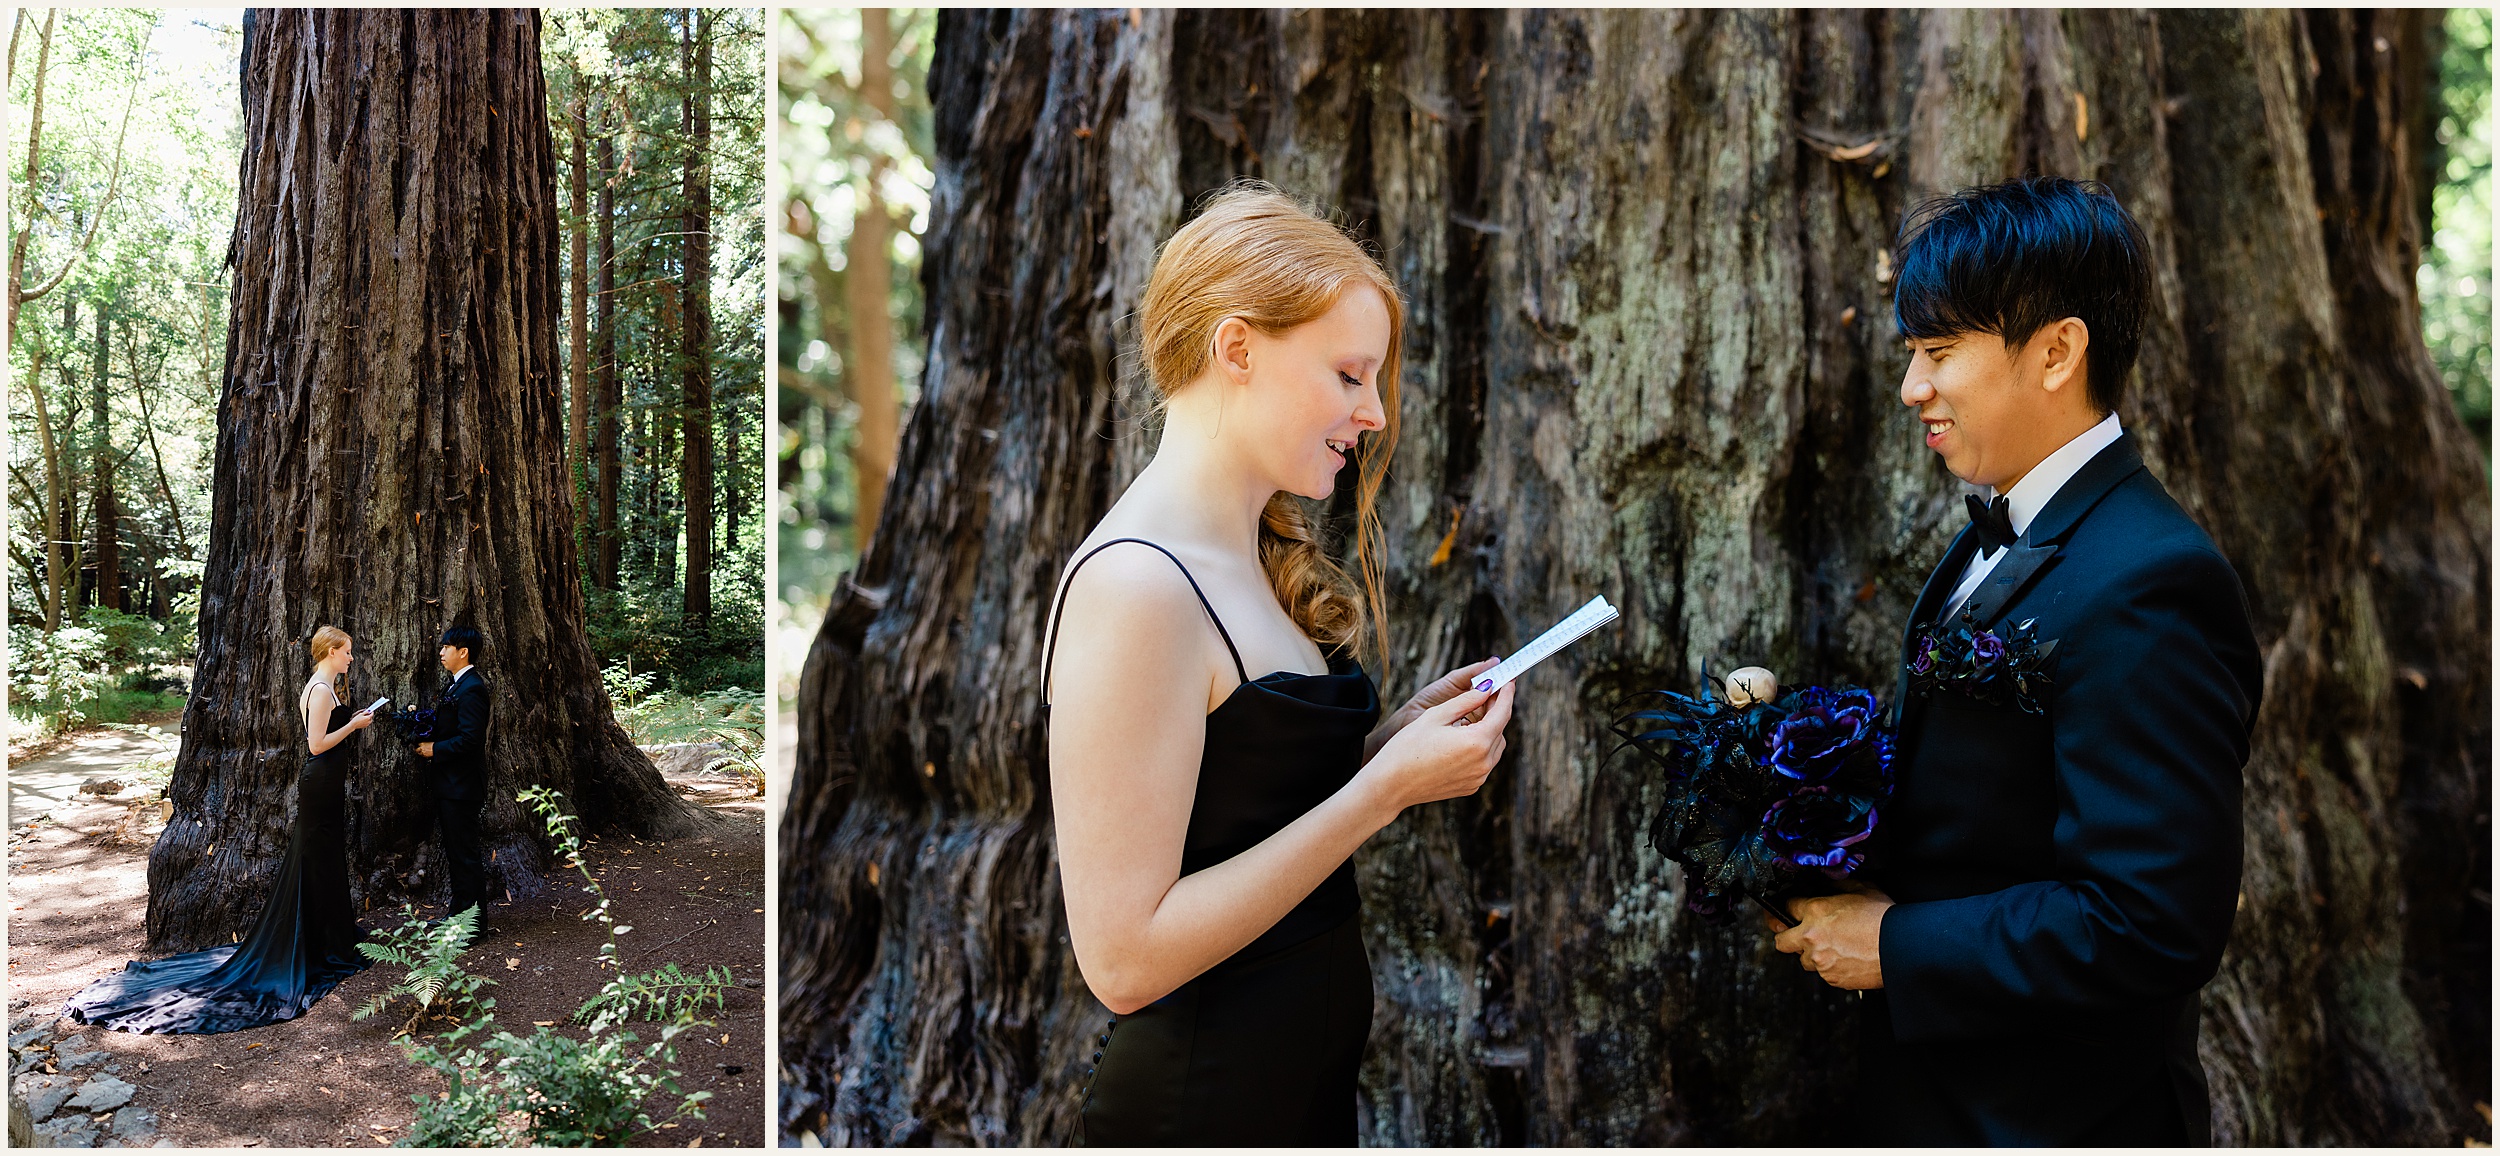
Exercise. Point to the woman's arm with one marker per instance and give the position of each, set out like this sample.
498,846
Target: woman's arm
1135,660
314,715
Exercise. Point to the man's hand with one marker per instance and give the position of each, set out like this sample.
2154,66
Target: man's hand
425,750
1838,937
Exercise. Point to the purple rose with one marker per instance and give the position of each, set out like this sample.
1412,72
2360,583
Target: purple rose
1827,730
1987,650
1925,659
1816,828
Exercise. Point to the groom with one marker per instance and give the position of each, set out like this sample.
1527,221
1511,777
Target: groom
462,717
2056,886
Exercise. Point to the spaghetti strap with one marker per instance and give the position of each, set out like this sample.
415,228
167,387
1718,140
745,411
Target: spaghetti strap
1059,606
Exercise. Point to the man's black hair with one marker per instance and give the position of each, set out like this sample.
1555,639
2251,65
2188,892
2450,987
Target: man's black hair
2009,259
466,638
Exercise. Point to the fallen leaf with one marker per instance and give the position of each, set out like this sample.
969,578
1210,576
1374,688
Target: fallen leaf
1449,541
543,1023
249,1047
724,1037
510,962
1858,152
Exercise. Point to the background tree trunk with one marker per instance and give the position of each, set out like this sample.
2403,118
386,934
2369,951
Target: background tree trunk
577,327
868,285
107,512
611,389
695,360
389,459
1651,355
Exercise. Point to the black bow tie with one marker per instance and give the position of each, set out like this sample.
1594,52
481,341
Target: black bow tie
1993,520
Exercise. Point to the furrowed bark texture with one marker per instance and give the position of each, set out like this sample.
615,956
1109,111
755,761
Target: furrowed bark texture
1651,355
390,460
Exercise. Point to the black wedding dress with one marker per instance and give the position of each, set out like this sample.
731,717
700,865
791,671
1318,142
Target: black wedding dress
1263,1048
303,945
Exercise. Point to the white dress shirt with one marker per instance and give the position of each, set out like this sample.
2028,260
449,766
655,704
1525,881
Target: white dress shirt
455,675
2030,496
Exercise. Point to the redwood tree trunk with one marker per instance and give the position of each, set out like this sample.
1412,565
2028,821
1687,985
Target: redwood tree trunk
390,460
694,478
1651,356
577,317
611,388
868,290
107,511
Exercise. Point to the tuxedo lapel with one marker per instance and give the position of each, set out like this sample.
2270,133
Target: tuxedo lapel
2021,565
1940,583
2042,539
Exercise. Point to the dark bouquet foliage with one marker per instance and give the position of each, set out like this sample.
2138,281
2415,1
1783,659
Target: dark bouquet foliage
412,724
2005,670
1769,800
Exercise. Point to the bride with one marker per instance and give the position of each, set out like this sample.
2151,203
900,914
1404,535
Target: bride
305,940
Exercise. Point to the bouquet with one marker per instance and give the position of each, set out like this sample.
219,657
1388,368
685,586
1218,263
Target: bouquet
1768,797
412,724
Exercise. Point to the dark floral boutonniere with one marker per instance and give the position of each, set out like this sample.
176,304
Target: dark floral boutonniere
2001,670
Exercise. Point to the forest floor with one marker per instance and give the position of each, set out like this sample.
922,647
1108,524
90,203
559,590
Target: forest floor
78,896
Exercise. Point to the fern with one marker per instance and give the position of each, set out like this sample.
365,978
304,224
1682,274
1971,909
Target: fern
665,994
431,975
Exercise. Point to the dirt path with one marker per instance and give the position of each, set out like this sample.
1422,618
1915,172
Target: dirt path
78,894
50,779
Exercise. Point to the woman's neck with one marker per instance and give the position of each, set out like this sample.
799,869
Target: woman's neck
1196,486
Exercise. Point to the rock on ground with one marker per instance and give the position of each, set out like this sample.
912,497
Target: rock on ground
66,1132
42,1095
103,1094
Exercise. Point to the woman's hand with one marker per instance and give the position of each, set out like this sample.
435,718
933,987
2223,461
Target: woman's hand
1446,752
363,719
1442,690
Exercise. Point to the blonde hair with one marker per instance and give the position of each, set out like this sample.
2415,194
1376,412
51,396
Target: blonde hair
325,640
1256,254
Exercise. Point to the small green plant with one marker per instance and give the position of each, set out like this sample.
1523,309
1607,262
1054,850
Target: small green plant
433,977
545,1089
663,994
550,1090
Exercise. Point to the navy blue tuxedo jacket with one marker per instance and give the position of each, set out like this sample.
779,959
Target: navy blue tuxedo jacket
461,720
2065,881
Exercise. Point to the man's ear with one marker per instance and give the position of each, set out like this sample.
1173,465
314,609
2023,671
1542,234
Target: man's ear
2063,344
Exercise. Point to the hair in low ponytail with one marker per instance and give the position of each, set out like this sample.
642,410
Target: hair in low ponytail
1254,253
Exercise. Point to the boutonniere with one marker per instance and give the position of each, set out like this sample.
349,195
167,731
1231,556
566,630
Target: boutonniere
2001,670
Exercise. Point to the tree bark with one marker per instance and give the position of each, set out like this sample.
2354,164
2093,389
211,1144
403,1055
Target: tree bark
107,513
389,459
55,564
694,478
611,389
577,327
868,286
1650,355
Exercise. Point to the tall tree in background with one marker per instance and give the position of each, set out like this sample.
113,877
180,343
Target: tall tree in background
1651,356
869,370
30,212
695,467
107,516
856,190
389,457
577,320
611,387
